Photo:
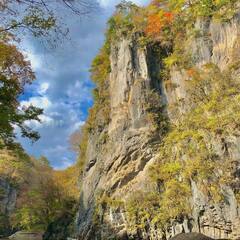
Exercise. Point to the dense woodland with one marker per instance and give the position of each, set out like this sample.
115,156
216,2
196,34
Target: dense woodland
43,194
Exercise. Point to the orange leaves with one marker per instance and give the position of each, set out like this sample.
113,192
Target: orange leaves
157,22
154,25
191,72
168,17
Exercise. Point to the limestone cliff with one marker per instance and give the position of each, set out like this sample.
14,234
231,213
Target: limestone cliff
8,200
116,165
119,156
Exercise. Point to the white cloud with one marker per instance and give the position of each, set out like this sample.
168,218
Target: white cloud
57,149
43,87
41,102
34,59
45,121
76,126
38,101
28,50
64,164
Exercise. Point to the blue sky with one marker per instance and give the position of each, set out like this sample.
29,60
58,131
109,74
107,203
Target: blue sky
63,86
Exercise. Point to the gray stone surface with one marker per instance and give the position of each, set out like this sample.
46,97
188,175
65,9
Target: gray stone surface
119,166
26,236
8,196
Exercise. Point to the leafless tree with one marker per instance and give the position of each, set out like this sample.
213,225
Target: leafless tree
40,17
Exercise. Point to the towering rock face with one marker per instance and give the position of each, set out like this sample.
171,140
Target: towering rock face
117,157
220,47
8,198
120,155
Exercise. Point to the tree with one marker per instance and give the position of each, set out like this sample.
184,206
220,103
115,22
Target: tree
15,72
38,16
46,196
44,161
41,19
75,139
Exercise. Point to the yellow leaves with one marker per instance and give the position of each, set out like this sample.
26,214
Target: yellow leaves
43,193
100,67
14,166
170,171
14,65
188,151
141,208
171,60
175,199
238,197
67,181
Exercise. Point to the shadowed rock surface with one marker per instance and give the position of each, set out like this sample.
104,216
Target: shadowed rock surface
8,197
191,236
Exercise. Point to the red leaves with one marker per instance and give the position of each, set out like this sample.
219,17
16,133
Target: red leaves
157,22
168,17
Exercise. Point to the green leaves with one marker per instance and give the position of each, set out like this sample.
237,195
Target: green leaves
14,74
38,22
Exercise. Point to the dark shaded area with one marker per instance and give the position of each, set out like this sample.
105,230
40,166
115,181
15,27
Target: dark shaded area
61,228
5,228
191,236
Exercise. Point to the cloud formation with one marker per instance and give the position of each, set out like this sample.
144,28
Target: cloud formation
63,87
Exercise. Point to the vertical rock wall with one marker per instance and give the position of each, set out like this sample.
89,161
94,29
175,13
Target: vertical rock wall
117,164
8,198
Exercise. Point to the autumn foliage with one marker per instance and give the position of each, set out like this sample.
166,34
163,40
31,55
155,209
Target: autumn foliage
158,22
44,194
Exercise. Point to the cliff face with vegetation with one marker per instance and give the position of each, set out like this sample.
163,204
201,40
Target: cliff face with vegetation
160,150
7,202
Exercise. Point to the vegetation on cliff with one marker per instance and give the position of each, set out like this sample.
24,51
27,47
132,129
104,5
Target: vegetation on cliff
188,152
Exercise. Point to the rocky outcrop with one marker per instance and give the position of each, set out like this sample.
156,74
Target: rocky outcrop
191,236
219,44
26,236
8,198
117,166
119,156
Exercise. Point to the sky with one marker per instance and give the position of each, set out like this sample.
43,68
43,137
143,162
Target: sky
63,86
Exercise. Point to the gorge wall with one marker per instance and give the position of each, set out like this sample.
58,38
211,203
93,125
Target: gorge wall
116,176
8,200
